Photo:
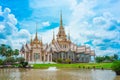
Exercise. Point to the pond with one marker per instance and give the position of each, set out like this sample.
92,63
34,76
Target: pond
60,74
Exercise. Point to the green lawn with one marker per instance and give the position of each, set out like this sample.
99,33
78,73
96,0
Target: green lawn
77,65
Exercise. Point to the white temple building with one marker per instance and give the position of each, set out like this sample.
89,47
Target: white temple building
60,48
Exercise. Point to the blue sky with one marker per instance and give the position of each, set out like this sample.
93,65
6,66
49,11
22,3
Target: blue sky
95,23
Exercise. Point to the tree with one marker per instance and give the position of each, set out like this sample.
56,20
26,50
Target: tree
107,57
9,52
20,59
2,49
16,52
1,62
99,59
116,67
115,56
9,60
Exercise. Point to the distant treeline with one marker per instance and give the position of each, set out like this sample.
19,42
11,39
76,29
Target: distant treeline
106,58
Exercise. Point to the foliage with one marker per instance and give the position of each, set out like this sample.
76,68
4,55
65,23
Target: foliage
106,58
115,56
2,49
68,61
7,51
20,59
59,60
24,64
16,52
9,60
116,66
1,62
99,59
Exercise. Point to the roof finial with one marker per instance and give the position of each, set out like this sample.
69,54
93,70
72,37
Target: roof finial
31,40
53,35
36,36
36,28
69,34
61,23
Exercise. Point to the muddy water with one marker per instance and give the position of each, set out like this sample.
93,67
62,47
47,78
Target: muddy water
61,74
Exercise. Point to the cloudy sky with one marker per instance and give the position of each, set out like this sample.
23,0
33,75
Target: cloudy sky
95,23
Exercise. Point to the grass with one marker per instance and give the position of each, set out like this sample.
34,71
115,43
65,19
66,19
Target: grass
76,65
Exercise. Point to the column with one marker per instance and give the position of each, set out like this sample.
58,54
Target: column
25,56
48,58
28,57
32,57
44,58
51,57
40,57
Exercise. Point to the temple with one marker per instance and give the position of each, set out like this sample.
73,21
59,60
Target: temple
60,48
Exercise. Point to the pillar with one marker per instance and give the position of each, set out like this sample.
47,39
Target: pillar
48,58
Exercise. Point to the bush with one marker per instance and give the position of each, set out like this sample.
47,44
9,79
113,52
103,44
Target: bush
116,67
59,60
68,61
20,59
9,61
1,62
24,64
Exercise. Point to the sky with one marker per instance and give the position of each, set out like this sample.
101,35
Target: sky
94,23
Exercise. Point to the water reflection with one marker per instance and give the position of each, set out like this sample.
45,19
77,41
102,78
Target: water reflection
66,74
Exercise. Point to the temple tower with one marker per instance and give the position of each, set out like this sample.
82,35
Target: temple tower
61,36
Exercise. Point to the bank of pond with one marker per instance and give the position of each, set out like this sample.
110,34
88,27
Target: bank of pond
114,66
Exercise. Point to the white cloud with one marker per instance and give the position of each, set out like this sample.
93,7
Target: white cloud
9,33
1,28
35,4
46,23
23,33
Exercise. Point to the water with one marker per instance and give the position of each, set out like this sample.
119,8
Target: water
52,69
61,74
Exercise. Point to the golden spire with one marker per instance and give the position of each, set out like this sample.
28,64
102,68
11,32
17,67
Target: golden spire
36,36
53,37
61,33
31,40
41,43
61,23
69,35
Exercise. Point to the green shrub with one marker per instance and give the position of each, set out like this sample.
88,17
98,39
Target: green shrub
116,66
20,59
1,62
24,64
68,61
59,60
9,61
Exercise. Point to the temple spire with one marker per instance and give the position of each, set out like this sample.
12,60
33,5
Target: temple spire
61,33
36,36
31,40
61,22
41,43
53,37
69,35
